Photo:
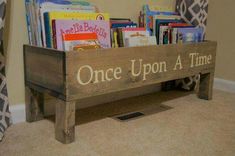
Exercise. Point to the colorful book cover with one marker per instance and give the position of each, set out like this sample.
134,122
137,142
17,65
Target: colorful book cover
133,32
49,16
55,5
163,17
100,27
188,35
81,41
140,41
124,25
173,31
160,22
150,11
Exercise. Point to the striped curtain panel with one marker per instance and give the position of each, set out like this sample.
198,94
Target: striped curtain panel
5,116
194,12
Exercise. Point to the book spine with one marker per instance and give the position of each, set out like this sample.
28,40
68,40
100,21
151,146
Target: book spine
28,21
37,23
115,39
54,36
174,35
32,26
161,36
120,37
47,30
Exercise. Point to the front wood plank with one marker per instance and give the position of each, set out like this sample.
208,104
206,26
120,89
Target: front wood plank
34,105
65,122
97,68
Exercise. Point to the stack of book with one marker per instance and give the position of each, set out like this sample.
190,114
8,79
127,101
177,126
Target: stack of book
75,25
49,21
125,33
168,27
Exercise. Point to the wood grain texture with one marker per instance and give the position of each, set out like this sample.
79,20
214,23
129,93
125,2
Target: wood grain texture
65,122
57,71
34,102
120,57
206,86
44,67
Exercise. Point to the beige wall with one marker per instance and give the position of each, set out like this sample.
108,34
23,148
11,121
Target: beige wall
221,28
18,36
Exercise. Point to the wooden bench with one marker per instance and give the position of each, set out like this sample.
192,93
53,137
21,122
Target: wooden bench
71,76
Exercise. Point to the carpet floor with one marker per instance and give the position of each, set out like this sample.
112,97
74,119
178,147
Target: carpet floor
175,124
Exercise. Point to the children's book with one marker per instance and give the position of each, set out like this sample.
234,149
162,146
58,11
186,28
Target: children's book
163,17
124,25
150,11
83,41
36,8
60,6
134,32
164,34
163,22
140,41
49,16
188,35
100,27
173,31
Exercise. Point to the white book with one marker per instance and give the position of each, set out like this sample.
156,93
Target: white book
174,35
140,41
133,32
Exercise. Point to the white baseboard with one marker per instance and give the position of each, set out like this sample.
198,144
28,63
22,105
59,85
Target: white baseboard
18,111
224,85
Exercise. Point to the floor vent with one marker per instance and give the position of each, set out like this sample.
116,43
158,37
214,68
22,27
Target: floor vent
129,116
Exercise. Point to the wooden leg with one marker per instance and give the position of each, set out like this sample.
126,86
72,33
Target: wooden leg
206,86
34,102
65,122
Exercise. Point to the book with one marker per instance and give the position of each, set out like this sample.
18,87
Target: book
124,25
36,8
61,6
133,32
163,17
160,22
140,41
100,27
81,41
164,35
150,11
188,35
116,30
173,31
49,16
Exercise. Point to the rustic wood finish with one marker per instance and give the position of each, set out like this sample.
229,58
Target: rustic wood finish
60,74
34,102
121,57
65,122
206,86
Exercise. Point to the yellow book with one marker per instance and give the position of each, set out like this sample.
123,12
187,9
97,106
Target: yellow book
50,16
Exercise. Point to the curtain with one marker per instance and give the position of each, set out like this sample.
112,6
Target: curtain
5,116
194,12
